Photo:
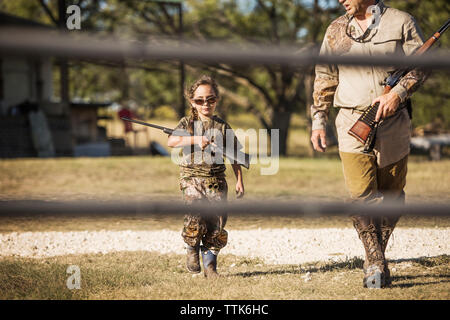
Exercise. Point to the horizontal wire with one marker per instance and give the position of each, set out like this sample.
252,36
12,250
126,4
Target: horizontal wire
82,45
14,208
15,41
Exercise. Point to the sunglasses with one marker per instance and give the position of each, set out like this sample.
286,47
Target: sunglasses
201,102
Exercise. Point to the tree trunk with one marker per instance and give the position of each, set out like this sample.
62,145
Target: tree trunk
182,106
281,120
64,66
125,85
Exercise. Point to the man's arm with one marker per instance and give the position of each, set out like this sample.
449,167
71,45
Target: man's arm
414,79
325,85
413,40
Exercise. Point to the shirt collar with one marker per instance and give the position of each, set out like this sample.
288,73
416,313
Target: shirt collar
356,28
379,3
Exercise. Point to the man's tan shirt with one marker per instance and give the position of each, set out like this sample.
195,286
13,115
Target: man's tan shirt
355,87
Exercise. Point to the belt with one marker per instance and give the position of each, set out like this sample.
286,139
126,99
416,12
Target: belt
359,111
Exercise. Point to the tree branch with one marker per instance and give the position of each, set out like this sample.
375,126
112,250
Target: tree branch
48,11
248,80
272,14
155,22
126,65
245,103
168,17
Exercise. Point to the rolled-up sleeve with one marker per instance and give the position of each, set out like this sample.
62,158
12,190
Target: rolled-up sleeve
325,85
413,40
182,128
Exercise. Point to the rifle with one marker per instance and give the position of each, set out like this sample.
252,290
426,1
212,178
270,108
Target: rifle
365,128
240,157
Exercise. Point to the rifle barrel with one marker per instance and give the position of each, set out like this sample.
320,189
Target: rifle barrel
444,27
166,130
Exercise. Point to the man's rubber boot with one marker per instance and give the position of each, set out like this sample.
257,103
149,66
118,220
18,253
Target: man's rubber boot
209,263
374,277
387,228
193,259
374,264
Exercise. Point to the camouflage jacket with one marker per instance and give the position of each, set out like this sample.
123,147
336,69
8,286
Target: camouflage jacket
197,163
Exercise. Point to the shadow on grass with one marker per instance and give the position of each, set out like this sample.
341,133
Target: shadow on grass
354,263
411,285
445,279
426,261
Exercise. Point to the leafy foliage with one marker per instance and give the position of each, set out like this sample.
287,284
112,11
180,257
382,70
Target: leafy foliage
430,103
271,93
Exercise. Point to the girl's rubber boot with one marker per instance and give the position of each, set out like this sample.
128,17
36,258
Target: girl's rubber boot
193,259
209,263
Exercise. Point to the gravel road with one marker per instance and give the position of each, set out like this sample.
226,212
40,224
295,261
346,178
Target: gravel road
273,246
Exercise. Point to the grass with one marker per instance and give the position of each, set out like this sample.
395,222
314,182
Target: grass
147,275
147,177
138,178
65,222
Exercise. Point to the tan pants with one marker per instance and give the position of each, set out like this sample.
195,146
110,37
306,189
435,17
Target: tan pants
370,184
392,139
367,182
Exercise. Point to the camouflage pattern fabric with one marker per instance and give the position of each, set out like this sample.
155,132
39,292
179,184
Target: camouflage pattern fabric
203,163
208,229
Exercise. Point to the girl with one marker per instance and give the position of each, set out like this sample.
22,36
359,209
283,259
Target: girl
202,180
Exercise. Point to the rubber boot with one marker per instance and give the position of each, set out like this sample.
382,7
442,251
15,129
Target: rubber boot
374,264
209,263
193,259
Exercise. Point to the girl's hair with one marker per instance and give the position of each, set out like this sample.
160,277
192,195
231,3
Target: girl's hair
189,94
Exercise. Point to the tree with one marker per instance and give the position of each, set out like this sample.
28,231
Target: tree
272,93
148,83
430,102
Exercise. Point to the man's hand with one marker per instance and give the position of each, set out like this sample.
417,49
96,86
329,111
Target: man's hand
319,140
388,105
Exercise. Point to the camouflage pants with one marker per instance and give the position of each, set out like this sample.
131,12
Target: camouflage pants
205,229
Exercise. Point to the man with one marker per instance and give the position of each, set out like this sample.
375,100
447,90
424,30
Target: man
370,28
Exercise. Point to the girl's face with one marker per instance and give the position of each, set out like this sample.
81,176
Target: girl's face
204,101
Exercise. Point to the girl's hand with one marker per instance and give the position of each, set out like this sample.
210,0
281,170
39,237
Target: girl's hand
202,141
239,190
